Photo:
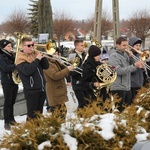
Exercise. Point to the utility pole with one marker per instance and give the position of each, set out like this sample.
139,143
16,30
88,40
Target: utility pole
97,20
116,25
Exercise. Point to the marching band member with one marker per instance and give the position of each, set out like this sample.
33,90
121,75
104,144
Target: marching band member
90,81
76,78
122,85
56,89
137,77
10,89
30,65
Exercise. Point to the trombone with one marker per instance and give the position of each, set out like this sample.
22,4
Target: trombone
143,55
50,50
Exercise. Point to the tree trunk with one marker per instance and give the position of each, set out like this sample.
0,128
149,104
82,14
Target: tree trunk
45,21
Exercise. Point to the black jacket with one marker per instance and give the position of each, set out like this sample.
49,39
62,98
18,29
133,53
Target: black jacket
7,66
89,77
32,75
75,76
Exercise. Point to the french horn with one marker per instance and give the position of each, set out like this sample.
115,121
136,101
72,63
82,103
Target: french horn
107,74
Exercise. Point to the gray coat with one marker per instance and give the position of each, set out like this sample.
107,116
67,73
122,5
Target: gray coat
121,61
137,77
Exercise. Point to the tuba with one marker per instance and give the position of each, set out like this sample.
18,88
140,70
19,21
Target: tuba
15,75
107,74
96,43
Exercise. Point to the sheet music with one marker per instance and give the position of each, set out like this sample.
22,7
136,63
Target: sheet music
71,56
43,38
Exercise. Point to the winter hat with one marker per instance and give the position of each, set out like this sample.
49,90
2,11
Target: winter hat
104,56
94,51
134,40
4,43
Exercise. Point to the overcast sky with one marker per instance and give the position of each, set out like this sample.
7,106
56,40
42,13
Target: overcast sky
77,9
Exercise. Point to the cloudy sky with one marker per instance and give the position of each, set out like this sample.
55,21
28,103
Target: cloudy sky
77,9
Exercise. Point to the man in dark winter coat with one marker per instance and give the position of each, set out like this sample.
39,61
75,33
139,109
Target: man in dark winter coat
10,89
76,79
30,65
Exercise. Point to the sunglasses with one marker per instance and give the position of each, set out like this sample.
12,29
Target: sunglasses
29,45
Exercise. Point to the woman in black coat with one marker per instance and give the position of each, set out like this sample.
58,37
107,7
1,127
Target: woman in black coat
10,89
90,80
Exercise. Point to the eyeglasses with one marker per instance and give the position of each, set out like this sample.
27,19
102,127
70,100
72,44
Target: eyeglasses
29,45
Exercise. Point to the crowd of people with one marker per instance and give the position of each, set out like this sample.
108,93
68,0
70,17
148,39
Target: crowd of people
46,78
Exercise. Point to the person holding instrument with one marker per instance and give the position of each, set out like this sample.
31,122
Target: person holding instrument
30,65
121,60
76,78
137,78
90,80
10,89
56,89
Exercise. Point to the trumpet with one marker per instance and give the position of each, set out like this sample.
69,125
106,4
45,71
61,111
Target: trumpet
50,47
137,58
50,50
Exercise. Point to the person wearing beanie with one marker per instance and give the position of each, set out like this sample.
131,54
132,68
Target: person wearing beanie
10,89
104,57
90,80
137,77
122,85
94,51
4,43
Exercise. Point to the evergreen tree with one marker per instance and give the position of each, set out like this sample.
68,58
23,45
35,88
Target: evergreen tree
45,23
41,17
33,16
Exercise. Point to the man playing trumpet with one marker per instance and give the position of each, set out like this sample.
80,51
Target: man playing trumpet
30,65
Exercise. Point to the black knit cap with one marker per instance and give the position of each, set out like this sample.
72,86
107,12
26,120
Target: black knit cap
94,51
4,43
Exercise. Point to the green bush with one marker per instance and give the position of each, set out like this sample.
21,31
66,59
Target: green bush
129,123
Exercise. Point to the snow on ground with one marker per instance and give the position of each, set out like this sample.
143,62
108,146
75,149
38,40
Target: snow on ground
106,123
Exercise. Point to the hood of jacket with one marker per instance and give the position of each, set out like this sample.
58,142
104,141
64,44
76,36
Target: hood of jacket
134,40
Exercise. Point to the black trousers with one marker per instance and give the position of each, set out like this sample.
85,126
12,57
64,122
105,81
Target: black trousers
125,98
134,91
10,93
35,102
80,94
